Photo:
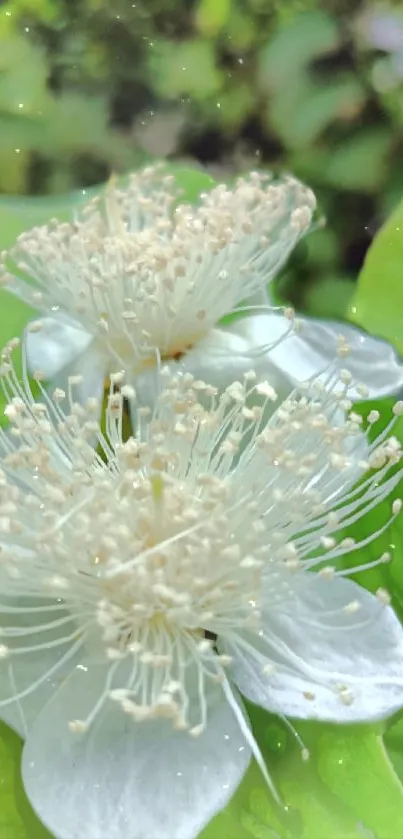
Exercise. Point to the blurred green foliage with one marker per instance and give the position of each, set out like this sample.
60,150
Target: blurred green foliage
87,86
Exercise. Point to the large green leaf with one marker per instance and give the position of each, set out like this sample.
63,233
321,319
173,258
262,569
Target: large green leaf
377,305
394,743
17,819
378,302
294,46
360,163
302,112
185,68
212,16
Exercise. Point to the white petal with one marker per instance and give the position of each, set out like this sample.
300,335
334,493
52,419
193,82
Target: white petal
332,483
263,297
127,780
273,365
55,346
92,368
218,359
372,361
317,641
19,670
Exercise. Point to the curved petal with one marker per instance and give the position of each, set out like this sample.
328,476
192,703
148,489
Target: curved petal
336,651
19,671
218,359
91,367
55,346
127,780
263,297
302,355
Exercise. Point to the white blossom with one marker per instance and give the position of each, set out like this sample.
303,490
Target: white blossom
148,584
138,277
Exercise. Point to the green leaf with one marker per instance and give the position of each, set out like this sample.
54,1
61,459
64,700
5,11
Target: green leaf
355,764
394,744
17,819
387,575
347,788
301,112
23,77
360,162
212,15
185,68
307,36
378,306
192,182
329,298
378,302
19,213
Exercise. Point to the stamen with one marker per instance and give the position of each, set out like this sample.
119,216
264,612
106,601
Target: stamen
246,731
161,276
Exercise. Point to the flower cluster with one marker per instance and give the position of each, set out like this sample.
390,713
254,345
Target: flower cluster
150,580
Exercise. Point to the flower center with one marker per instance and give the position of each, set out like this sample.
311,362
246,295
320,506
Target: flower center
143,354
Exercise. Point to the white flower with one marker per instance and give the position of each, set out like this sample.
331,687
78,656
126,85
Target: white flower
133,279
140,594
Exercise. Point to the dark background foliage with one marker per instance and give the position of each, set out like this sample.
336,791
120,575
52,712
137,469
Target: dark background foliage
90,86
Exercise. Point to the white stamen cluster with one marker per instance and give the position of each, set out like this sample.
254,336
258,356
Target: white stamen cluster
180,537
141,272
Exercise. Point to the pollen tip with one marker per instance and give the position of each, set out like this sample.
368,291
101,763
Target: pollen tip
78,726
397,506
383,596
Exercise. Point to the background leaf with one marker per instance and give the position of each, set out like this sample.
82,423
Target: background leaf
378,302
17,819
